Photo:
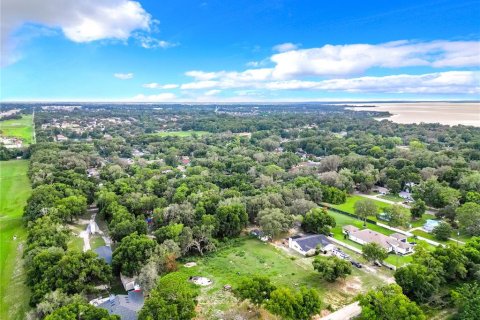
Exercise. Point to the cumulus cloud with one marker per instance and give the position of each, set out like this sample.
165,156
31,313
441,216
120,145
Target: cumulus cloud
123,76
465,82
343,60
284,47
155,85
80,21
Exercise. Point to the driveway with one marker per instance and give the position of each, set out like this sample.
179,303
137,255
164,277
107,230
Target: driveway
348,312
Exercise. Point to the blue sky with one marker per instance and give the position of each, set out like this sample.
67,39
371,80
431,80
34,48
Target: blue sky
207,51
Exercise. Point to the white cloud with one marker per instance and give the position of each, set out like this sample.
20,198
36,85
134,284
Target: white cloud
461,82
149,42
162,97
155,85
342,60
212,92
284,47
123,76
80,21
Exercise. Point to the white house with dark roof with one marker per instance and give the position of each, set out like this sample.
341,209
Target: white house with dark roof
307,245
396,242
126,306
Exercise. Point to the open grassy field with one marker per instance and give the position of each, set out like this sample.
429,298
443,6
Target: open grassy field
14,191
180,133
20,128
253,257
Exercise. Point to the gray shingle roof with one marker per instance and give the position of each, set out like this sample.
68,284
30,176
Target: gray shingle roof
312,241
105,252
126,306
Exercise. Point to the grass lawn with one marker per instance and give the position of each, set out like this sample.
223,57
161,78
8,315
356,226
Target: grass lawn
180,133
75,243
421,222
252,257
430,236
392,197
348,206
14,191
96,241
20,128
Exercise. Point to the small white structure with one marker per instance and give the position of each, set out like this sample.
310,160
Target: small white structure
190,264
128,283
201,281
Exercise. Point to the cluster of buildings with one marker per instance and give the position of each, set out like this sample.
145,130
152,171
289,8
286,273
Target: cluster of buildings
11,142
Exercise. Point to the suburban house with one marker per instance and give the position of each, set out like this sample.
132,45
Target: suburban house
307,245
430,225
126,306
395,242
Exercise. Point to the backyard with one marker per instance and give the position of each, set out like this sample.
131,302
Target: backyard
249,257
19,128
14,192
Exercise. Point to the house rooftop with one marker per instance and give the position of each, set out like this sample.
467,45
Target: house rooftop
105,252
126,306
309,242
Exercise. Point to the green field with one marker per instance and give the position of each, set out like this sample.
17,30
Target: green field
14,191
253,257
349,205
181,133
19,128
392,197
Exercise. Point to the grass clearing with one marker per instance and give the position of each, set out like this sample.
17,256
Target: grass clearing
19,128
349,205
252,257
96,241
430,236
392,197
181,134
14,192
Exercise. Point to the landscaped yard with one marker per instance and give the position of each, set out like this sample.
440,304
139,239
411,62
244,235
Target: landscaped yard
349,205
430,236
252,257
342,220
14,192
180,133
19,128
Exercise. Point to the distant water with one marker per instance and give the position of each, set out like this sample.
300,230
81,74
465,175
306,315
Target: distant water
448,113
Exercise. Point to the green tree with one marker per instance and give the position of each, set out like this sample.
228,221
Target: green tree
290,305
83,311
274,221
418,281
172,232
418,208
332,268
365,208
443,231
467,300
389,303
468,216
374,252
257,289
397,215
132,253
71,207
318,220
232,219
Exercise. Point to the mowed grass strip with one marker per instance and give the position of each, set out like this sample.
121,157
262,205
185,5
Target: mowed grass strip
349,205
19,128
181,134
14,192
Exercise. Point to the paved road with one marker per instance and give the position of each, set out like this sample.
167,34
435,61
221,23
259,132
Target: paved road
348,312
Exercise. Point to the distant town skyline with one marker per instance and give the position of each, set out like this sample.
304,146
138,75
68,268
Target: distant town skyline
242,51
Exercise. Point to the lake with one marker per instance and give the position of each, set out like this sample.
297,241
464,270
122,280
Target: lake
448,113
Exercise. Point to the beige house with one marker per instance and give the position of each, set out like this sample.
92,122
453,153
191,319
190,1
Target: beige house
395,242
